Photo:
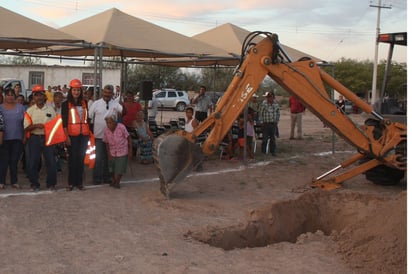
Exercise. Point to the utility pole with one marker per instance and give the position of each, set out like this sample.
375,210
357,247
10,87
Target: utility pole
375,96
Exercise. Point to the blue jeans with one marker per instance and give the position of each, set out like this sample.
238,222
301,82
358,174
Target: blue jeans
101,169
36,147
10,155
269,132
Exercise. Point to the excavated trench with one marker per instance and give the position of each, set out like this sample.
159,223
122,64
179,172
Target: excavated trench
286,220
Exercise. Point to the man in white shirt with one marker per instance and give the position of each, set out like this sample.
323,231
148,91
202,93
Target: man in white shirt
97,113
203,104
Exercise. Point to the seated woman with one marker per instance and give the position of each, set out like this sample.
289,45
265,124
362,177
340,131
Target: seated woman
145,139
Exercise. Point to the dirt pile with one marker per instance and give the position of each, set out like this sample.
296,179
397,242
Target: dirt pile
376,241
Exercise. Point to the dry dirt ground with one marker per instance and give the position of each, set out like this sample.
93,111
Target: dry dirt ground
229,218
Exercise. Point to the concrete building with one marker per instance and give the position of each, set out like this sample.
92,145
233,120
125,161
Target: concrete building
54,75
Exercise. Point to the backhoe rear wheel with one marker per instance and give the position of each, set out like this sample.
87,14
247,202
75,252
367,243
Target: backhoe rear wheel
381,175
384,175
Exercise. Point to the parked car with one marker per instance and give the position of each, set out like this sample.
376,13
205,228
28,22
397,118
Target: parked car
348,106
10,83
171,98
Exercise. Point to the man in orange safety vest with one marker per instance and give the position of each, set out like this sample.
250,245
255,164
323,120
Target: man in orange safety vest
35,118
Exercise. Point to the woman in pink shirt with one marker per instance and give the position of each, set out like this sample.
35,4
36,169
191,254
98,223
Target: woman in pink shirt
119,148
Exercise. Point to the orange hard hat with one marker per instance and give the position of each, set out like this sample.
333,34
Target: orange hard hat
76,83
38,88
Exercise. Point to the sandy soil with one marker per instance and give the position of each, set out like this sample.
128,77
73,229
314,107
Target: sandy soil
229,218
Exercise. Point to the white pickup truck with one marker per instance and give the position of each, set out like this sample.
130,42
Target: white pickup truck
11,83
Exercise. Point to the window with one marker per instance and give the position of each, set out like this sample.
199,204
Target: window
172,94
88,78
161,95
36,77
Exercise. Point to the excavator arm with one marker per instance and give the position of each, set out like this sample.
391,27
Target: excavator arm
379,141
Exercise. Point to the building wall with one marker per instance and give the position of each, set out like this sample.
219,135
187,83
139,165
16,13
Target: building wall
57,75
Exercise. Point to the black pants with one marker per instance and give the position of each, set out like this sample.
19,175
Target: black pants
200,115
269,132
77,150
11,151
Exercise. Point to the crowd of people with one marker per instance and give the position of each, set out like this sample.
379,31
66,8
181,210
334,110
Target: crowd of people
55,126
109,131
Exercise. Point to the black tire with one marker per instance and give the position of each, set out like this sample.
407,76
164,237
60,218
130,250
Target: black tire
181,106
384,175
381,175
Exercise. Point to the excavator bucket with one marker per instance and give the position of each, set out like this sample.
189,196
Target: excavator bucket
175,157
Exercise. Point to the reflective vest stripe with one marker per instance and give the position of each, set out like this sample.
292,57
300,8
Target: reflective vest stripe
90,157
28,121
77,125
54,130
73,115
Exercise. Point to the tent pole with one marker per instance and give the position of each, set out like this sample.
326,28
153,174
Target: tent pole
96,49
100,67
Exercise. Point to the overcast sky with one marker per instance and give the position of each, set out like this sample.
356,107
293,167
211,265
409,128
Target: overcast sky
327,29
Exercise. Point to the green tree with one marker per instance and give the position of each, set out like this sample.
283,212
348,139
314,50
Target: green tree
188,80
396,86
22,60
357,76
160,76
114,62
216,79
353,74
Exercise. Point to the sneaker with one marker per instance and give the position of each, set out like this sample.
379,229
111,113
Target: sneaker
16,186
2,186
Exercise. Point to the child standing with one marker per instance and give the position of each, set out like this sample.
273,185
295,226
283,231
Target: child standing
250,135
241,136
119,148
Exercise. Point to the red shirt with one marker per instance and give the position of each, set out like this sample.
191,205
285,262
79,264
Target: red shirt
131,110
295,105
